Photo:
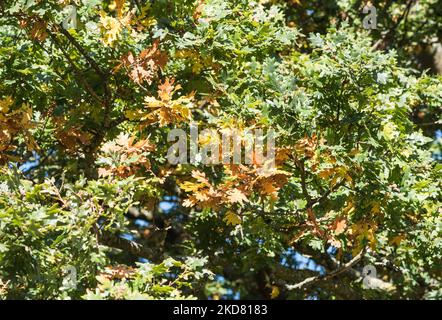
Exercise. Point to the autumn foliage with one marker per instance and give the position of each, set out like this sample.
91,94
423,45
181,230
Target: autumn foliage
85,113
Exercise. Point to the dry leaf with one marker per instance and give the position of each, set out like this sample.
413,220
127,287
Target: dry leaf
236,196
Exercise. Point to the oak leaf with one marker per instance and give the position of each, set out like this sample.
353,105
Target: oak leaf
236,196
232,218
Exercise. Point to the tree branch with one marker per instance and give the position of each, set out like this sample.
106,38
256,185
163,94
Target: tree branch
115,241
344,268
83,52
381,43
77,72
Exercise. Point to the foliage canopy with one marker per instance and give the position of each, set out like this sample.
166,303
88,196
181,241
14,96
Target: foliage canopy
84,116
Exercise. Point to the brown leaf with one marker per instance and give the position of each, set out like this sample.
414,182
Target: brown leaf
340,226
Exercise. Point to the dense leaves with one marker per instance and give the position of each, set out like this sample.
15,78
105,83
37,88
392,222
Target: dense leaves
85,113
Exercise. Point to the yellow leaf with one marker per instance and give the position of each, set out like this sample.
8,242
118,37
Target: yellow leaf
119,7
375,209
189,186
5,104
389,131
397,240
166,110
275,292
232,218
350,208
112,27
